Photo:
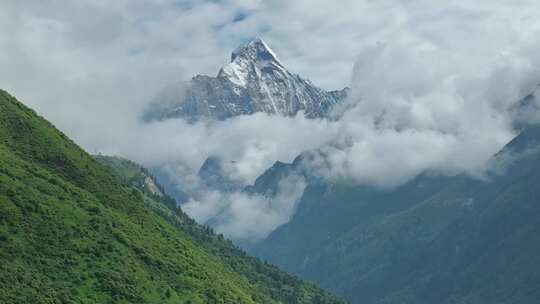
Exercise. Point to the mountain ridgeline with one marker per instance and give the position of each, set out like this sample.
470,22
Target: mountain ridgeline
436,239
75,230
254,81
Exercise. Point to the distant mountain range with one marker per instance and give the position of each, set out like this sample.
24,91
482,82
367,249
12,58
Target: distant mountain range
436,239
254,81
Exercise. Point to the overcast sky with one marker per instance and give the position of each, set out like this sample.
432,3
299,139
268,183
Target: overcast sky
96,56
433,83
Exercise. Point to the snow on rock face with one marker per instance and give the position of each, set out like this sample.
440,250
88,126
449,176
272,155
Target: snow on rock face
255,50
248,60
254,81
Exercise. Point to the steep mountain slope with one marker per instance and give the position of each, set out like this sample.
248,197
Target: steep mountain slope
72,232
463,241
327,210
282,286
134,176
254,81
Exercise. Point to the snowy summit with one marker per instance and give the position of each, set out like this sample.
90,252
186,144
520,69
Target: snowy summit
254,81
249,59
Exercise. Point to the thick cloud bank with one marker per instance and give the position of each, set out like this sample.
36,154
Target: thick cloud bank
435,86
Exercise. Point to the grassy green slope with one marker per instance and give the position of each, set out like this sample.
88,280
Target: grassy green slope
72,232
270,279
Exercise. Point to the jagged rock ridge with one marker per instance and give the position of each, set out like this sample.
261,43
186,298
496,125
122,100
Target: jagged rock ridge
254,81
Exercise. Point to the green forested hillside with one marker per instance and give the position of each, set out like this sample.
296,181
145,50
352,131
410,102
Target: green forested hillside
269,278
464,241
71,231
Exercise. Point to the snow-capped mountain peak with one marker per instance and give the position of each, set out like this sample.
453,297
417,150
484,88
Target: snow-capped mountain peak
253,58
253,81
255,50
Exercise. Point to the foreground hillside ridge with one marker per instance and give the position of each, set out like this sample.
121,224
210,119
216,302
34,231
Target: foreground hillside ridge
252,268
254,81
72,231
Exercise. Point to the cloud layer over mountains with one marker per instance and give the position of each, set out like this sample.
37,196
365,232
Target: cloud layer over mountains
434,86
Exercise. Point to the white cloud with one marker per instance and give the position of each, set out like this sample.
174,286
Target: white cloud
247,217
433,84
247,145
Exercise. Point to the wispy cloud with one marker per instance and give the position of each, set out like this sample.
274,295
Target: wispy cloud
434,84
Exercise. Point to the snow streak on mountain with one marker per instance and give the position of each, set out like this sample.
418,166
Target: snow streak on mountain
254,81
